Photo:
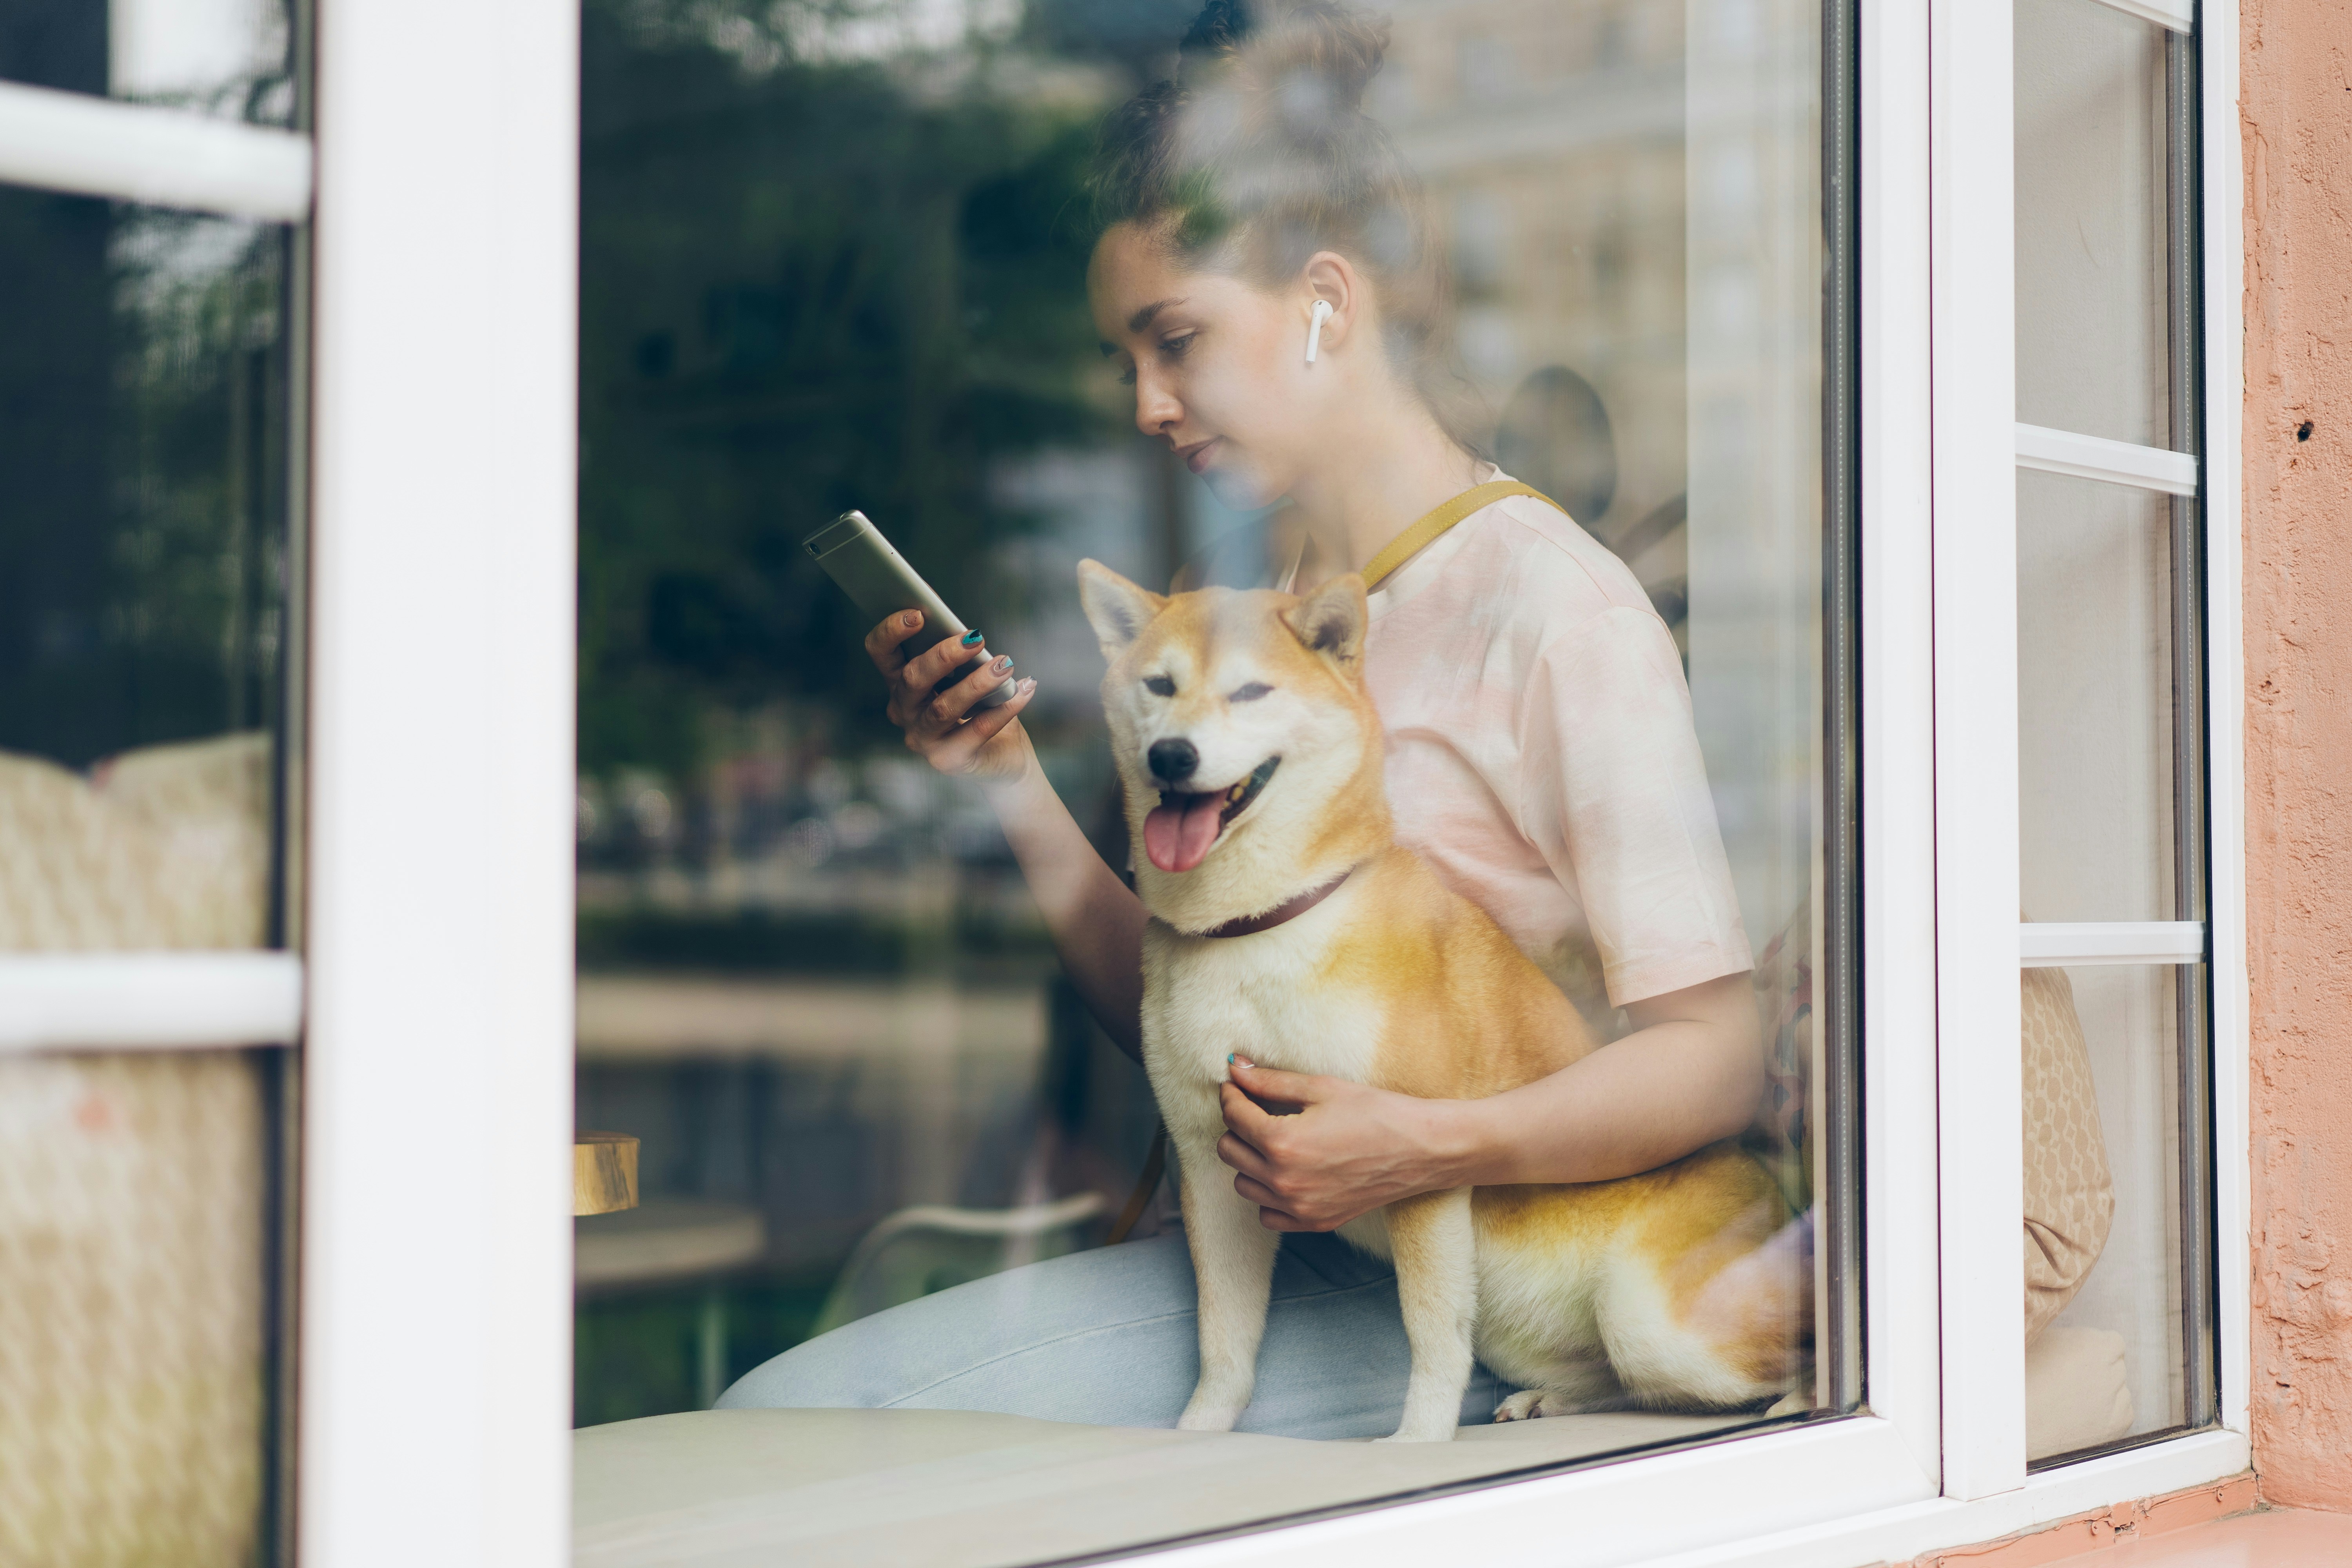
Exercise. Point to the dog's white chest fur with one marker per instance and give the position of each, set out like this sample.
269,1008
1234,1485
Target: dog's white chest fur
1261,997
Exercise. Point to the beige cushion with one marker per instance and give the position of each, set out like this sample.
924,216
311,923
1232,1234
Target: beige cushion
951,1488
164,847
2070,1198
2076,1392
132,1186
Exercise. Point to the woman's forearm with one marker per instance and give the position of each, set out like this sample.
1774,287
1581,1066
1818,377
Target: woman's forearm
1314,1153
1096,920
1658,1094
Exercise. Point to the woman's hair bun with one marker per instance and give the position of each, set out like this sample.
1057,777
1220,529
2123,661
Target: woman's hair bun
1274,47
1259,155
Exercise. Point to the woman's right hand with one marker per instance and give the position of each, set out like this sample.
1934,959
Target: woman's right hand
990,746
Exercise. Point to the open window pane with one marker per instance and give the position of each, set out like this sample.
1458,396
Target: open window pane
142,597
2094,279
145,446
889,1134
2111,759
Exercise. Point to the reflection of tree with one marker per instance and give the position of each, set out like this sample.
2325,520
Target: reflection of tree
803,288
142,423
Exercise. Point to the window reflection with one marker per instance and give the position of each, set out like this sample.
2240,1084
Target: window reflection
842,260
143,440
226,58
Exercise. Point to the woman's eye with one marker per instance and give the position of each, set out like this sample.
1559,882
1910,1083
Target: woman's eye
1126,376
1159,686
1174,347
1249,693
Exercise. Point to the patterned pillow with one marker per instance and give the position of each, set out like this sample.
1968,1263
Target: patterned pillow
2070,1198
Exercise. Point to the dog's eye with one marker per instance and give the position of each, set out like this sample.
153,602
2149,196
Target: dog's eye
1250,693
1159,686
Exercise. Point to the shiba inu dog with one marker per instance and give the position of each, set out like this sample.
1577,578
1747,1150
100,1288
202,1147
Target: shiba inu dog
1288,926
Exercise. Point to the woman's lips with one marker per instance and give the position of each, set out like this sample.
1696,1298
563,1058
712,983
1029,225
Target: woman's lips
1197,457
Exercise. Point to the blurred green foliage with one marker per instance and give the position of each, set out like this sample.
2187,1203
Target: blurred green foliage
805,287
638,1352
143,475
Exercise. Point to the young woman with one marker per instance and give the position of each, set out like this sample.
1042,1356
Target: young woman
1541,756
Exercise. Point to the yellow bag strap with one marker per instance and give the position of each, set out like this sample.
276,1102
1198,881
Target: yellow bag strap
1403,548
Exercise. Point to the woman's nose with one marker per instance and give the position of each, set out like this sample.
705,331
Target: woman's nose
1157,412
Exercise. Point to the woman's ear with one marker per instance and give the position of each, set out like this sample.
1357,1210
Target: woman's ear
1116,608
1332,278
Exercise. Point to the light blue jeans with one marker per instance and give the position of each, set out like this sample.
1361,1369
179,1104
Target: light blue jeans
1106,1337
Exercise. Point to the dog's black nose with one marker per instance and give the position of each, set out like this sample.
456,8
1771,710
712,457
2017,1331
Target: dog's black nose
1172,762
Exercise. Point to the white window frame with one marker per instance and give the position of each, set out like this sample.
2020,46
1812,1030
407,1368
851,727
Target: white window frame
432,997
436,988
435,1358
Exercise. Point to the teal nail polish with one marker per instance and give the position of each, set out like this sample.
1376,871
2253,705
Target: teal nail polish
1229,1059
972,639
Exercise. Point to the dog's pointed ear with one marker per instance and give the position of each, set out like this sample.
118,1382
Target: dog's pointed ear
1331,620
1117,608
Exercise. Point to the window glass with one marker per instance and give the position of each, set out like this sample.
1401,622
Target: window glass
2095,758
144,442
2110,1186
229,58
2093,263
143,566
1036,285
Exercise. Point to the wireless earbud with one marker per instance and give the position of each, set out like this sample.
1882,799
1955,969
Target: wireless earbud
1320,314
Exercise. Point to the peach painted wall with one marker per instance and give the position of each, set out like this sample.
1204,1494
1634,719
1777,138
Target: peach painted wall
2297,109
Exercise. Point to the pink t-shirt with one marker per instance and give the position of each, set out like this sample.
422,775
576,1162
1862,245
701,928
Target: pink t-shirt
1541,755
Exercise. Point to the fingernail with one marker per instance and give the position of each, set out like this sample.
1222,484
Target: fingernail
1001,665
1240,1062
972,639
1027,686
912,617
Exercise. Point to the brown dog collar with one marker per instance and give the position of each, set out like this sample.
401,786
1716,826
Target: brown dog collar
1289,910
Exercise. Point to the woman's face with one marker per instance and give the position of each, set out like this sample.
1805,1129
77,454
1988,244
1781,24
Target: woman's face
1218,365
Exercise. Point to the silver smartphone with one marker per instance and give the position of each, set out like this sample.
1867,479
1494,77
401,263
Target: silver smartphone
880,584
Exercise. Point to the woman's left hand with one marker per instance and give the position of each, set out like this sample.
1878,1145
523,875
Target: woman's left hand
1337,1151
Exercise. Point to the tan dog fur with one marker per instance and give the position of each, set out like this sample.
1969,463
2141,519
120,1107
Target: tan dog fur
1658,1289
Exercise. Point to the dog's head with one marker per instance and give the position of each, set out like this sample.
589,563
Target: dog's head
1248,748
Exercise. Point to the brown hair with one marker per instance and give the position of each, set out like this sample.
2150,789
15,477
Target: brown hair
1258,154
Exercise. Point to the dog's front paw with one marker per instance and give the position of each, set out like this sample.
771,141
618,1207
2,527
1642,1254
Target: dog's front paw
1434,1433
1199,1417
1528,1404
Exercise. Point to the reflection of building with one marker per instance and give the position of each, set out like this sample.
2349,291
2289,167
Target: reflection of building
1550,138
1627,191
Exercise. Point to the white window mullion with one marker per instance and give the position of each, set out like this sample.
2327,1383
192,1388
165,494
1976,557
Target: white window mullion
1900,1219
2114,462
89,146
2061,944
436,1360
2223,254
1979,1074
2179,16
148,1001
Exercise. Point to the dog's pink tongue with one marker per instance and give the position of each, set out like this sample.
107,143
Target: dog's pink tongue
1178,836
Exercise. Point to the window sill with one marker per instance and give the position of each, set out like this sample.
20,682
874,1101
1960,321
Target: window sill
1794,1499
